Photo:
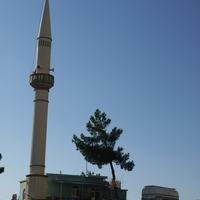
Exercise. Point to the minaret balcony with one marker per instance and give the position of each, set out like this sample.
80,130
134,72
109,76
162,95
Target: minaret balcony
41,81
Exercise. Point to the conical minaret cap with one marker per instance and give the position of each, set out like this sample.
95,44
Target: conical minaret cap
45,24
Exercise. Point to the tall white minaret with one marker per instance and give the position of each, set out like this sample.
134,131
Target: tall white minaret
41,80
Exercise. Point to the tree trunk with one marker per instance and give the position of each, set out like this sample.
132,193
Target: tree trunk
116,195
113,172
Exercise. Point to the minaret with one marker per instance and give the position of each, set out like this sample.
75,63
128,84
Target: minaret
41,80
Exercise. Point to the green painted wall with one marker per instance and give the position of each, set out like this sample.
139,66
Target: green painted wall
63,187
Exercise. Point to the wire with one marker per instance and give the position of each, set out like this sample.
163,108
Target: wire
34,54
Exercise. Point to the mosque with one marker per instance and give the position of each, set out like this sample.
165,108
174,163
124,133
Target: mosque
40,185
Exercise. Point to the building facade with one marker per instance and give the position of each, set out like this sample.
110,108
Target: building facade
153,192
76,187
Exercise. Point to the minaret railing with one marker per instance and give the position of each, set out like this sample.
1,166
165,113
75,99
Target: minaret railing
41,81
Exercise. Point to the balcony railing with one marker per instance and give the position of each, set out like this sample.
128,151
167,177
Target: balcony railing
41,81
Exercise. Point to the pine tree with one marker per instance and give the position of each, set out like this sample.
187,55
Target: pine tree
1,168
99,148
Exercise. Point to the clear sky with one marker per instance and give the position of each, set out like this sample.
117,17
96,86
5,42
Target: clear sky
137,61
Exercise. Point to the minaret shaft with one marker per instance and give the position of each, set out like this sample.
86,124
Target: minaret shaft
44,54
37,161
41,80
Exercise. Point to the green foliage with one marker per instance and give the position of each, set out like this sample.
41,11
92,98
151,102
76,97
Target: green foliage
89,173
99,147
1,168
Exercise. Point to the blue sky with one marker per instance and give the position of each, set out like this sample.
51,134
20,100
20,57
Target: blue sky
137,61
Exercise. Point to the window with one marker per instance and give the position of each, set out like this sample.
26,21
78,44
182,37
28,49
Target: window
75,191
24,194
95,195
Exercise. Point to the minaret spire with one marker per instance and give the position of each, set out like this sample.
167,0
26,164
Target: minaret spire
41,80
45,24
